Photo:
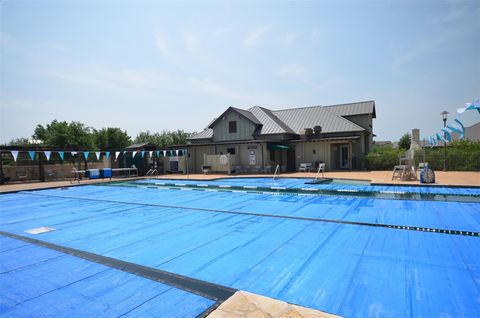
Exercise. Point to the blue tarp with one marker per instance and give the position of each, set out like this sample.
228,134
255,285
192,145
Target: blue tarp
350,270
39,282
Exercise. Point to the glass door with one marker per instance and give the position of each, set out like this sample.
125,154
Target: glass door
344,157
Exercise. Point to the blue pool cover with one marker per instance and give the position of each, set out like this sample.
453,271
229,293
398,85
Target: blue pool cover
348,269
346,185
40,282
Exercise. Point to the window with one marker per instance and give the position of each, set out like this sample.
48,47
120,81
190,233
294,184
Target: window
232,126
231,151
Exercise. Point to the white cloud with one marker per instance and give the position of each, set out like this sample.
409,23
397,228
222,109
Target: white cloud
161,43
221,31
117,80
191,42
212,88
424,47
253,37
288,39
316,34
455,15
296,71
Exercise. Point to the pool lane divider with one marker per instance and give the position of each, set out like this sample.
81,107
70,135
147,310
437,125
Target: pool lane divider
215,292
280,216
382,194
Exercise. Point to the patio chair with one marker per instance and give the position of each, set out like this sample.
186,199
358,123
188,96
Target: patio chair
21,174
76,175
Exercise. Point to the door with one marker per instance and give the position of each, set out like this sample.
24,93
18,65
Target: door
291,161
344,157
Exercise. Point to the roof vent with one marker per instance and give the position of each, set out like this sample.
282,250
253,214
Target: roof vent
317,130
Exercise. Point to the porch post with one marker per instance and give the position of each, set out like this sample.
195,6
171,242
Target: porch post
350,154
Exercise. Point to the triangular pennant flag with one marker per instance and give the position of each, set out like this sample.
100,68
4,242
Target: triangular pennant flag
61,154
85,154
142,153
164,153
107,154
448,135
124,152
116,154
73,153
134,153
97,153
176,152
47,154
158,153
150,153
31,153
14,154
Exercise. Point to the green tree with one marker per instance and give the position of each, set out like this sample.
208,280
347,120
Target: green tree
63,134
405,142
111,138
164,139
20,142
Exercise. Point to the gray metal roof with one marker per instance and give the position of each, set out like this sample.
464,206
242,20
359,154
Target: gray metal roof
270,123
308,117
367,107
205,134
248,114
245,113
295,120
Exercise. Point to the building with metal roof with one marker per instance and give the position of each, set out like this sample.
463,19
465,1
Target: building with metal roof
258,139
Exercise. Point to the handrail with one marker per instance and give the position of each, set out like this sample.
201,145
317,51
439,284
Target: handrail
151,172
277,169
322,168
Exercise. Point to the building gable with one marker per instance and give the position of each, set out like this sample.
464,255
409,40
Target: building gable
234,125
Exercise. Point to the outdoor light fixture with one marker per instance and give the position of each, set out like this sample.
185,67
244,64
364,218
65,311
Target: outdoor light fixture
444,117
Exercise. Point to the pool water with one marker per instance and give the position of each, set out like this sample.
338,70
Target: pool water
336,187
351,256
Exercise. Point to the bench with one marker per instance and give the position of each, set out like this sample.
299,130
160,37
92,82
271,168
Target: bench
305,167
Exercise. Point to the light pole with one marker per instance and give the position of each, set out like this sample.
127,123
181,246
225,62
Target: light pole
444,117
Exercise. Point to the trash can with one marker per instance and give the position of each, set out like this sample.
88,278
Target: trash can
93,173
106,173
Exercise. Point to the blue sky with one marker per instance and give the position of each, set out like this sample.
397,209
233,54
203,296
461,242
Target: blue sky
154,66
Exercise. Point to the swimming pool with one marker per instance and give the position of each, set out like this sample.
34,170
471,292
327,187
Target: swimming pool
352,256
336,187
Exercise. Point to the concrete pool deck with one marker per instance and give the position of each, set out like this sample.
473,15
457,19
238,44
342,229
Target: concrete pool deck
449,178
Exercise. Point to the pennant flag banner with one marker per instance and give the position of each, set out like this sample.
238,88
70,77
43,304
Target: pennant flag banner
47,154
150,153
164,153
158,153
124,152
134,153
73,153
176,152
14,154
61,154
470,106
448,136
116,154
85,154
97,153
32,154
142,153
107,154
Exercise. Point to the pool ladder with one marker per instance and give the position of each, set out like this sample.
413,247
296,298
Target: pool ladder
277,170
